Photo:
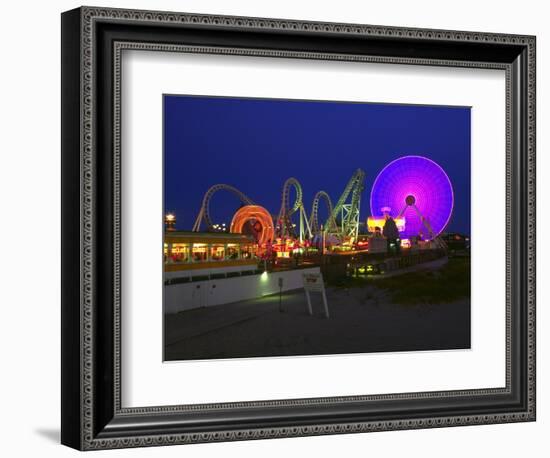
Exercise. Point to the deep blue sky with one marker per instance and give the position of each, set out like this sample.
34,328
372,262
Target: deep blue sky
256,144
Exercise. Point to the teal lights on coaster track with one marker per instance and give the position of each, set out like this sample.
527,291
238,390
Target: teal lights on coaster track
342,221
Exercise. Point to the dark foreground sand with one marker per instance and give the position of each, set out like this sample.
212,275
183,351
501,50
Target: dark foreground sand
361,320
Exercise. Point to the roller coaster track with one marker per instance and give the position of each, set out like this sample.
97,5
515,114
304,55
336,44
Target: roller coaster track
330,224
349,212
204,213
343,219
284,221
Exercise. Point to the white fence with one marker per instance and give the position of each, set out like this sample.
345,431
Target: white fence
186,296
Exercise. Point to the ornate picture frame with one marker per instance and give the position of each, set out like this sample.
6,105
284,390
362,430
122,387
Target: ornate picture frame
93,416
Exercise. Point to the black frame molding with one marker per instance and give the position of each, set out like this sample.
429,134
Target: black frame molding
92,42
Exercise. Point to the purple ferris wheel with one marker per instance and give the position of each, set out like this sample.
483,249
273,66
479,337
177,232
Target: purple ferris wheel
418,189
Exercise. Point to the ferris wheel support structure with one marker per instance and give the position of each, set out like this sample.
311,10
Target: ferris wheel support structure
410,201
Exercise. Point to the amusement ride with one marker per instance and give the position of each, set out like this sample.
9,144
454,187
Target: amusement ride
418,193
413,190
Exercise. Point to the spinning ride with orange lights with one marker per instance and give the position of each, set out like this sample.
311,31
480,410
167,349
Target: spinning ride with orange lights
260,220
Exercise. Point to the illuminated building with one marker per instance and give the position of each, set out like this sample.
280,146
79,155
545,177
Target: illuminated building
185,251
378,221
203,269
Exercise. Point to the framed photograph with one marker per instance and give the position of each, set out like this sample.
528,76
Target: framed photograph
278,228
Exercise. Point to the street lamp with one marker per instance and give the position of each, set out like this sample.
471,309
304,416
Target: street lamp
170,222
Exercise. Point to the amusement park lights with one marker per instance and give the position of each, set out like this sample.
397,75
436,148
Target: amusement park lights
259,215
219,227
413,190
418,189
378,221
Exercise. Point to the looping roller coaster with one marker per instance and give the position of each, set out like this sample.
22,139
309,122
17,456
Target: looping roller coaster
204,212
342,220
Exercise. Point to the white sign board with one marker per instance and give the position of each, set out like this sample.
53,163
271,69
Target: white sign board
313,282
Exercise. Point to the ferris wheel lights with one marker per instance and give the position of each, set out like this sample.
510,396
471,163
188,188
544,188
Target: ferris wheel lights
421,188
